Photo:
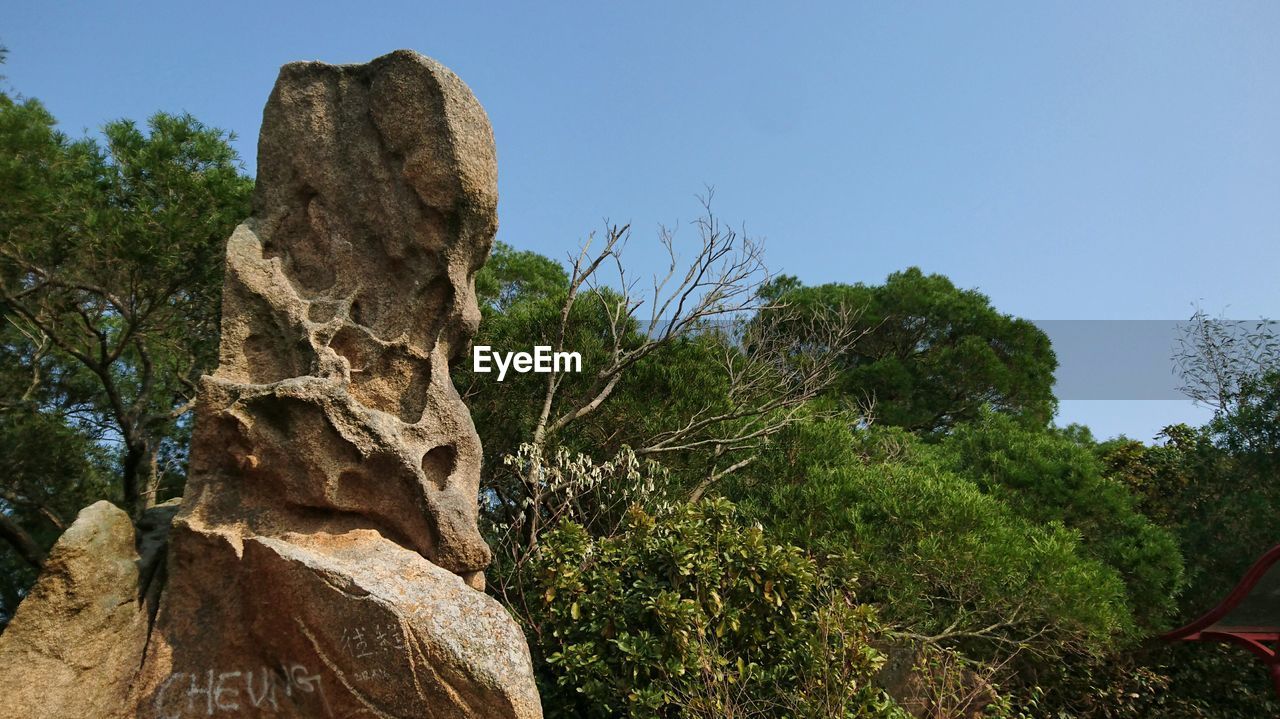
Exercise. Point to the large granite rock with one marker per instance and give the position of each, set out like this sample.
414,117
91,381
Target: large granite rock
75,643
345,298
326,559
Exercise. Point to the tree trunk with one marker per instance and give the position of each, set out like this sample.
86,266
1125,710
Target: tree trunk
21,541
135,471
151,488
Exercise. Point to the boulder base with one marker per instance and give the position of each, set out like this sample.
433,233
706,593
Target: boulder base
347,625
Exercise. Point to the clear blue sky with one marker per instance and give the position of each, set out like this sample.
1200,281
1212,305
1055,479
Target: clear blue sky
1072,160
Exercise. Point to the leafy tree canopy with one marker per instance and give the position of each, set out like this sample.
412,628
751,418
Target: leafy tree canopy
696,613
111,261
954,564
1051,477
932,355
513,275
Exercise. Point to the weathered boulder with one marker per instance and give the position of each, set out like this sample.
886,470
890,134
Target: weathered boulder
338,625
75,643
320,562
345,298
326,559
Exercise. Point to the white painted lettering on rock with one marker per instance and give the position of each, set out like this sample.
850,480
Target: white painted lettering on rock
211,692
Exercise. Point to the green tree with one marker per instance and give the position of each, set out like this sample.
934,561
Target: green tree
1222,512
110,280
1214,488
1249,428
1050,476
513,275
673,372
948,563
113,256
51,470
1003,545
931,355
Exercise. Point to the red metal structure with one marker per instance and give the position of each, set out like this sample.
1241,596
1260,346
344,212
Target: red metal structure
1248,617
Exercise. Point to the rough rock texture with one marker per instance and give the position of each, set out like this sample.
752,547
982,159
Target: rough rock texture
320,562
345,298
326,559
76,641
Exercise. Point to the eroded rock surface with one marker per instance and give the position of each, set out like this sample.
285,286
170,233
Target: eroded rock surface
326,558
345,298
320,562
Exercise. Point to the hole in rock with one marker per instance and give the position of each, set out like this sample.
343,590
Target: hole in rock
438,464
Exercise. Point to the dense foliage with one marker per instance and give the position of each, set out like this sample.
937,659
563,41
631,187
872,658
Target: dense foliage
933,355
111,266
697,613
1051,478
944,558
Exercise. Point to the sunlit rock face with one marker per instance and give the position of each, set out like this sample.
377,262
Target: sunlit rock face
345,298
326,558
320,563
76,641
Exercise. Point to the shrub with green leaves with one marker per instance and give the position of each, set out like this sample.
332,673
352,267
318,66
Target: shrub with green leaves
695,613
945,560
1051,478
